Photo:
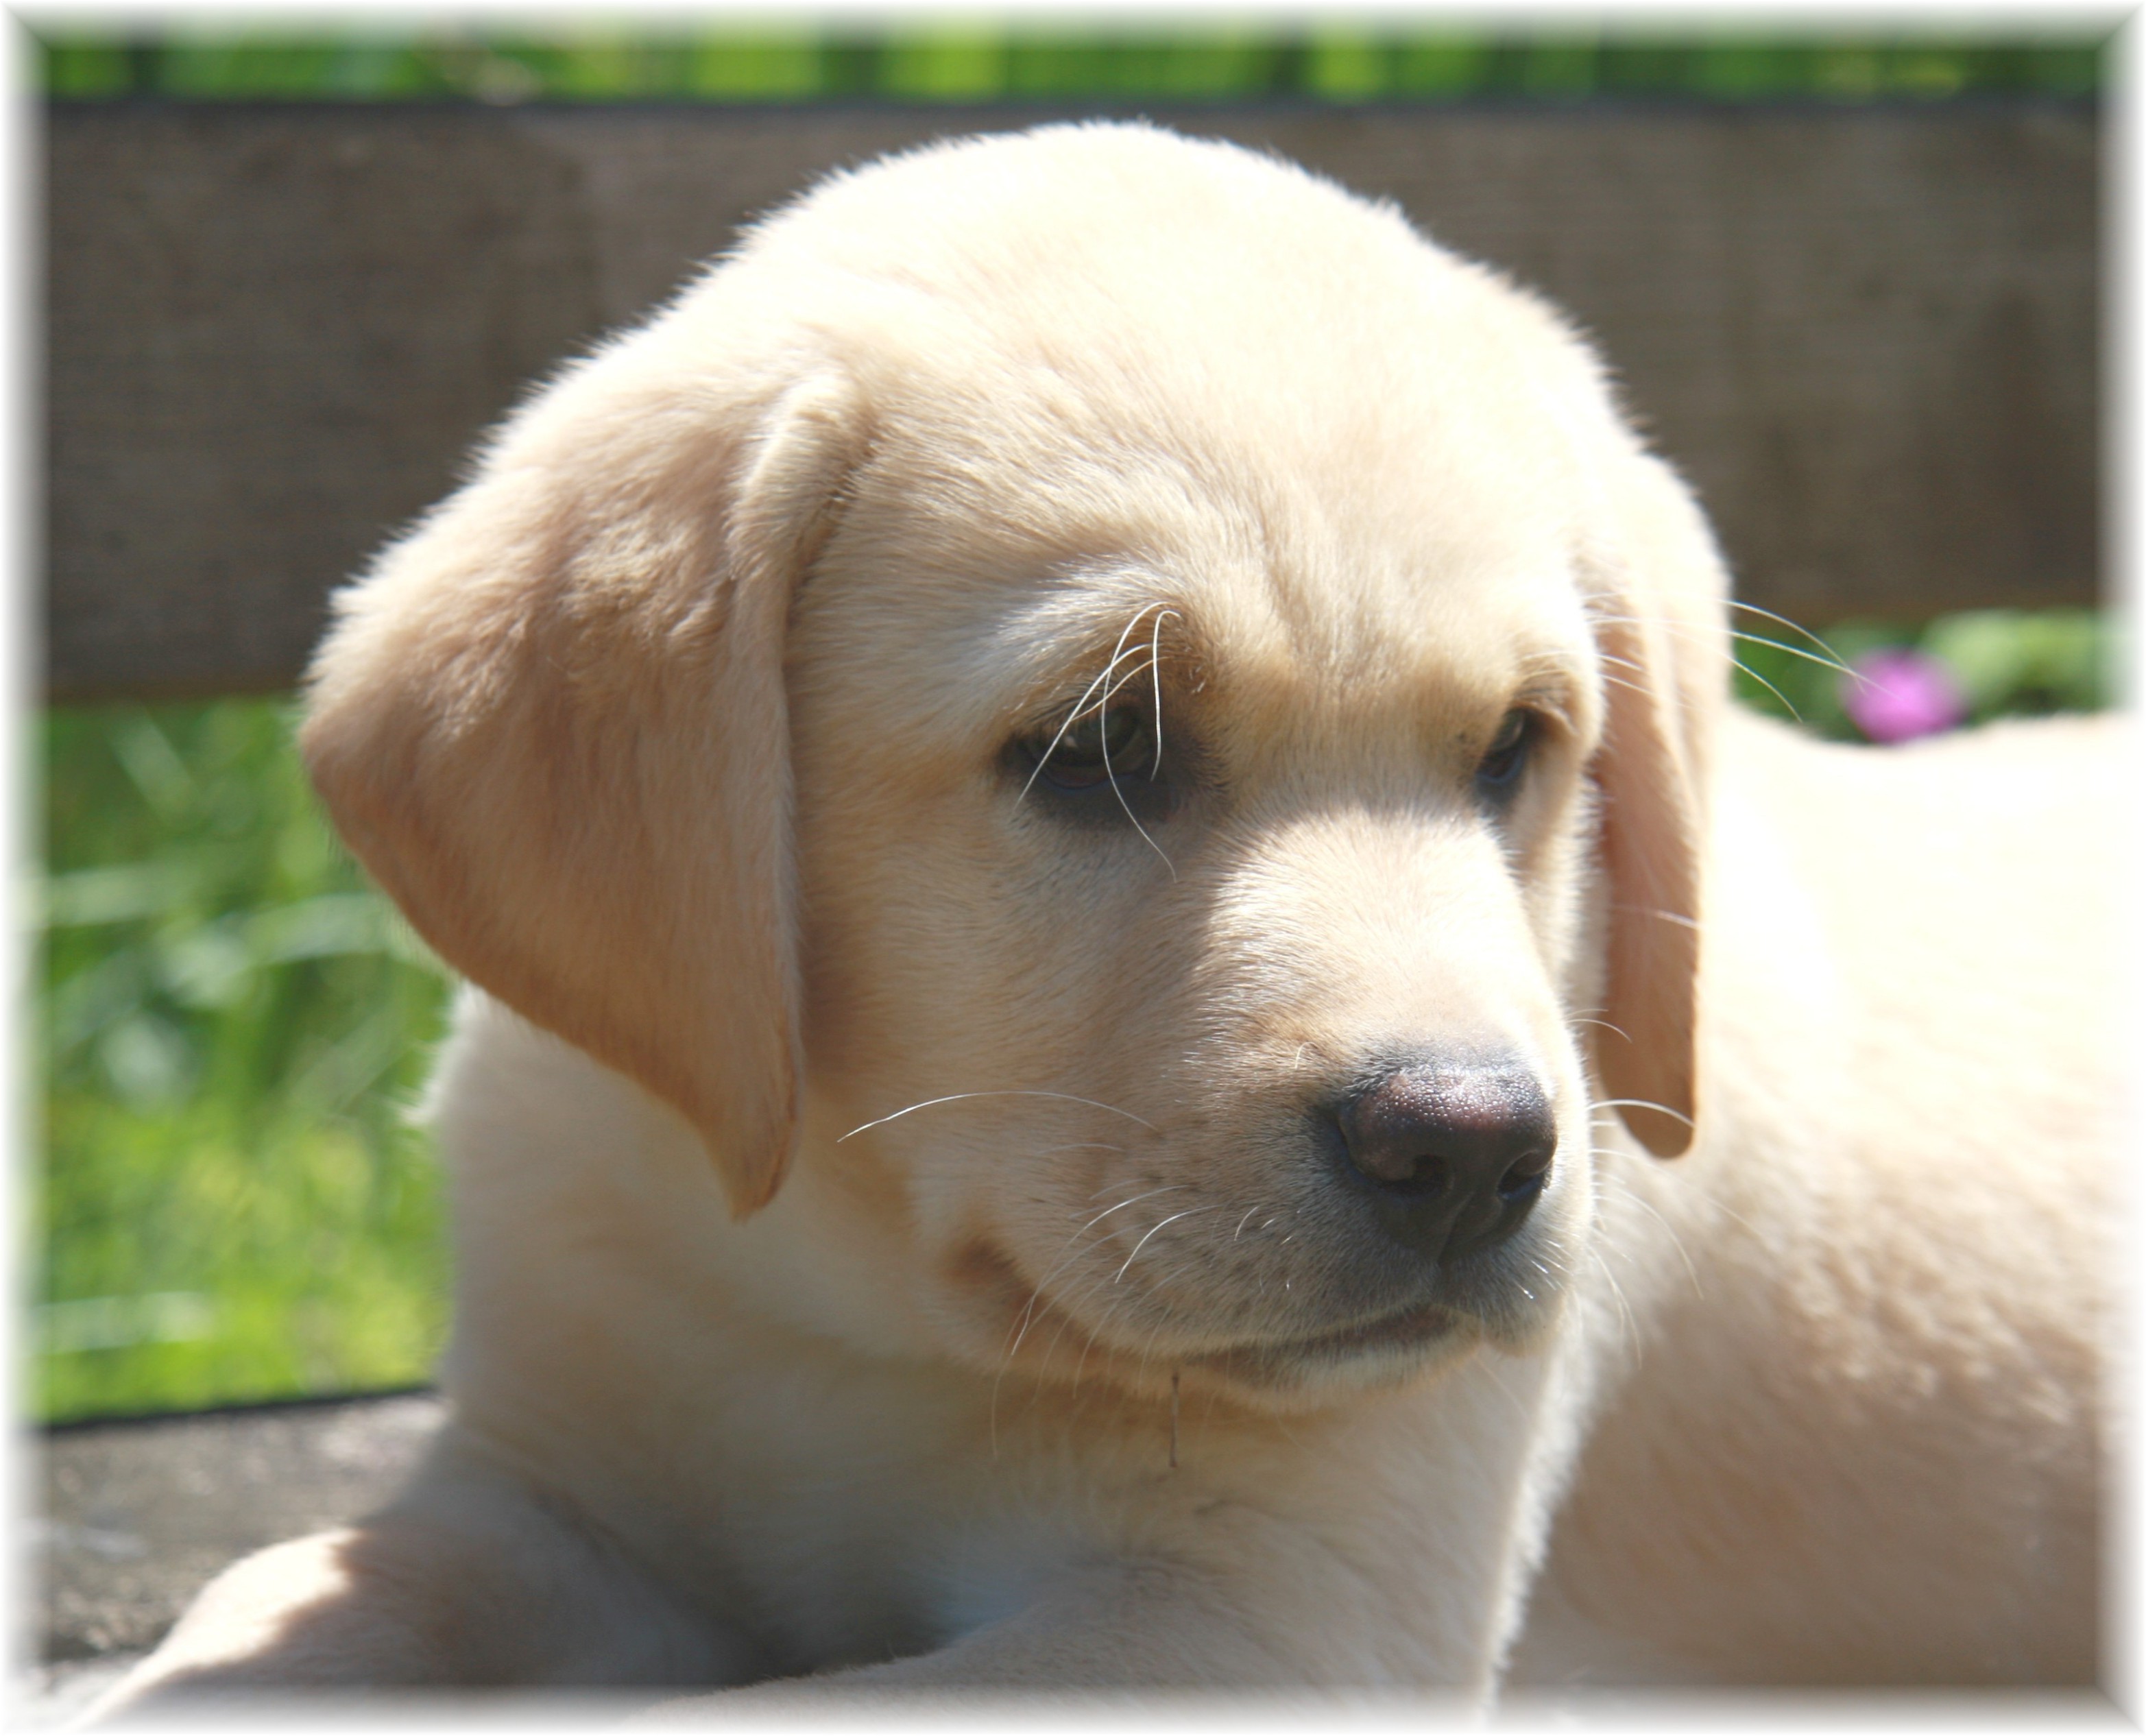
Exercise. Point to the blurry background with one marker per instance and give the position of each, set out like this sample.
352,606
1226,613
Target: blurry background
232,1205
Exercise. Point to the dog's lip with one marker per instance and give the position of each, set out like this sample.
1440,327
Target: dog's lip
1415,1325
1419,1324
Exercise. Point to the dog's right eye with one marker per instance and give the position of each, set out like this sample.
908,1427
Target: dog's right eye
1104,767
1114,741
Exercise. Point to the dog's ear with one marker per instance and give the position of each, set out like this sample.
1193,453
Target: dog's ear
552,723
1659,628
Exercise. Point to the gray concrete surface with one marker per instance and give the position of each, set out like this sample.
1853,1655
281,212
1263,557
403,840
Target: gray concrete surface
135,1518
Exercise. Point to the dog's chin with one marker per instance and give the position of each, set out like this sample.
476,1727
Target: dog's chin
1414,1336
1420,1341
1288,1365
1386,1351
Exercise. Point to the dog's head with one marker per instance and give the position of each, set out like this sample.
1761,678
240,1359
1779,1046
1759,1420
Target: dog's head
1133,723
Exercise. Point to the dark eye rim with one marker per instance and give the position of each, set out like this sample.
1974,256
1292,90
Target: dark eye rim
1504,762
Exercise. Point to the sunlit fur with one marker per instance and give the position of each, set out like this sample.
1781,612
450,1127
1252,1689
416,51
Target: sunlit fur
890,1238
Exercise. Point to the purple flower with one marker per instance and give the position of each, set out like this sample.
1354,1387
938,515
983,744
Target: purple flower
1897,693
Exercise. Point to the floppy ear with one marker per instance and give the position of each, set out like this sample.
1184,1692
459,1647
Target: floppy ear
552,723
1659,630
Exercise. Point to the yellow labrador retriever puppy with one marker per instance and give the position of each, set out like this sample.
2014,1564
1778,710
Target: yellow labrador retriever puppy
1088,798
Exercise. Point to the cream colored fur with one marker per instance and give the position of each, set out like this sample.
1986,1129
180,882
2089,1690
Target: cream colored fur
868,1180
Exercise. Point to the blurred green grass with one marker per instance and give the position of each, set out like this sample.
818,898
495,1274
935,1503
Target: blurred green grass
234,1205
1333,60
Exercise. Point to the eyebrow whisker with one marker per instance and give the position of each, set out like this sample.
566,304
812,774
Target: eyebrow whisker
1080,706
1155,670
1109,776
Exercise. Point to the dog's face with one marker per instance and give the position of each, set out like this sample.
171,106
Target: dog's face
1239,685
1209,813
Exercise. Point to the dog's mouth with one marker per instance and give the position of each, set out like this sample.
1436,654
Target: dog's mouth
1404,1335
1397,1340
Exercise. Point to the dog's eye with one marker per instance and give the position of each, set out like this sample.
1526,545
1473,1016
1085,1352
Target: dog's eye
1498,772
1113,743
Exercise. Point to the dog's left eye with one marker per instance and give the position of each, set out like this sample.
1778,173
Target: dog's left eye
1498,772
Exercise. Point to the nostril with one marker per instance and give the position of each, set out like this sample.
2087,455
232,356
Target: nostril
1524,1176
1525,1179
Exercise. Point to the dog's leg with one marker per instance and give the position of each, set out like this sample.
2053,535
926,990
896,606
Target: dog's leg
467,1580
1120,1625
1397,1557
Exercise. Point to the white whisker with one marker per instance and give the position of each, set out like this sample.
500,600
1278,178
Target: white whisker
1155,668
1189,1211
1641,909
1067,1253
1628,1323
963,1096
1081,704
1643,1103
1109,776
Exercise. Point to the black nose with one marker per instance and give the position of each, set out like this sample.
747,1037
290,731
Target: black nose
1452,1157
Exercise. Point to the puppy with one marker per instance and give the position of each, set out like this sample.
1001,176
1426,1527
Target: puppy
1089,802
